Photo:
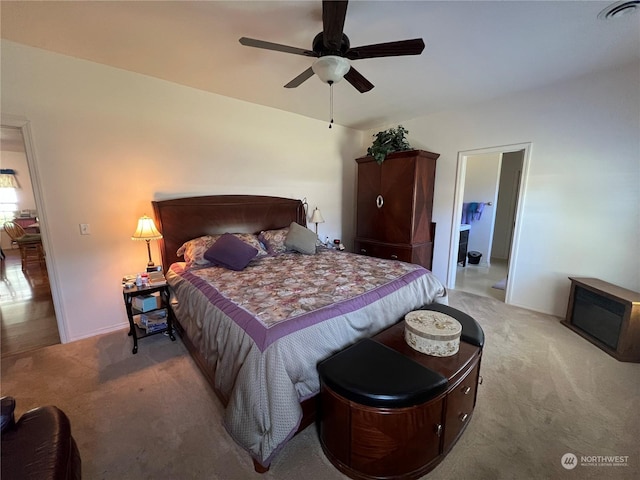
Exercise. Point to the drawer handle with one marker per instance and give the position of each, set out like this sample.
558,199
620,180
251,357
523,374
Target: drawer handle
439,430
379,201
480,379
394,257
466,390
363,250
463,417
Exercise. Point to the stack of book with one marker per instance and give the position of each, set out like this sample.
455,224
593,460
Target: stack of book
153,321
157,278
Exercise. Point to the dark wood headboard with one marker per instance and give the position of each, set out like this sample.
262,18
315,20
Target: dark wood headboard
183,219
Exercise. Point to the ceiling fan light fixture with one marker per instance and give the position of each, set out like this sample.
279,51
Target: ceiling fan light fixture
331,68
620,9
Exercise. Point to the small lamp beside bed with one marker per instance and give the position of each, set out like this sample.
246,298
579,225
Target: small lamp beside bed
317,218
147,231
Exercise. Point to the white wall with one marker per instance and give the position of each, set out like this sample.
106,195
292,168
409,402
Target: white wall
581,214
107,142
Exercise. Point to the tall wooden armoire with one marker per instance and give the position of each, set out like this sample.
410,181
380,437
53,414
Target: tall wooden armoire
394,204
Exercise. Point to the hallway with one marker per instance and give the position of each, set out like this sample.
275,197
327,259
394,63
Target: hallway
27,317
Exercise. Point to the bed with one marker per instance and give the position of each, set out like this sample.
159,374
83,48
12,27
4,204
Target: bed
258,333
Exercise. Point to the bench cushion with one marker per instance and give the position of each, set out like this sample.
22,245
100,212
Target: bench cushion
373,374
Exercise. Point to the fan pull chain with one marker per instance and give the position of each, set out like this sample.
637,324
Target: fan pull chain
331,103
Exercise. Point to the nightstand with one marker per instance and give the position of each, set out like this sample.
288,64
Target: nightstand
149,312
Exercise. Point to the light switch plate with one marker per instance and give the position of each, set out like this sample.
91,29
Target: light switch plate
85,229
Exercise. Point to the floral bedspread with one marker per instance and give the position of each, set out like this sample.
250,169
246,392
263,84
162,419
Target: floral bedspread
263,330
284,286
283,293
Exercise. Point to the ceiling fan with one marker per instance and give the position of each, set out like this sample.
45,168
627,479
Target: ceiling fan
332,49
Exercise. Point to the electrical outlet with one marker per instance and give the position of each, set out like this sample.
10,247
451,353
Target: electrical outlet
85,229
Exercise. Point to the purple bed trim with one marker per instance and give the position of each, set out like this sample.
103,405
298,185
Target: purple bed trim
264,336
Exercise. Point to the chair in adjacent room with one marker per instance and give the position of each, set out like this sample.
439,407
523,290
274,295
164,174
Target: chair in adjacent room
30,244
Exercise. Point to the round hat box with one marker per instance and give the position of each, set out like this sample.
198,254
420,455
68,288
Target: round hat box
433,333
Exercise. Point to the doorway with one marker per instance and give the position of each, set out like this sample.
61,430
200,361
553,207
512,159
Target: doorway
490,182
27,311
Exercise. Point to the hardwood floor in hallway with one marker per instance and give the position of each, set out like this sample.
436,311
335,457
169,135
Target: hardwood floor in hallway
27,317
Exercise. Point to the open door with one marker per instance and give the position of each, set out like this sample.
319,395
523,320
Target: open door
501,241
19,127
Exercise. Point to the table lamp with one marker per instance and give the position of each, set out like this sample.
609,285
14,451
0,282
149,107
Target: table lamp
317,218
147,231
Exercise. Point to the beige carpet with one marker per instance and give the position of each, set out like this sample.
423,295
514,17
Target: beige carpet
546,392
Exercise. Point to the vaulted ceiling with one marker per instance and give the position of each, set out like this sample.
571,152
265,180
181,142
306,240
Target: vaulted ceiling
475,50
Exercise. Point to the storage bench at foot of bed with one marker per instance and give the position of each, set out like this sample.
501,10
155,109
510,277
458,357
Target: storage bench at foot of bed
389,411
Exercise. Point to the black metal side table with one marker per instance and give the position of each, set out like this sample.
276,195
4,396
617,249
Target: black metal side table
136,329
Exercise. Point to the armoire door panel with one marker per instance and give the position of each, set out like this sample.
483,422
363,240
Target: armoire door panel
423,194
397,189
369,218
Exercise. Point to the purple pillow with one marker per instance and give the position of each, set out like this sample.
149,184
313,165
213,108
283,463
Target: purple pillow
230,252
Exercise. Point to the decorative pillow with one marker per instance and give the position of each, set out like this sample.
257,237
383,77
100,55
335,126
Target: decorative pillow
274,240
194,250
301,239
231,252
252,240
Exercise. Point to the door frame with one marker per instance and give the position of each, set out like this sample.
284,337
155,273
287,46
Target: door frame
24,125
461,171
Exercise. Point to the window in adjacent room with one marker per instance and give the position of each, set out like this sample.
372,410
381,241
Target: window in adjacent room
8,204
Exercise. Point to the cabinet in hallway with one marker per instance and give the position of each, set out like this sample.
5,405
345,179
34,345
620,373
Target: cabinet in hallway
394,204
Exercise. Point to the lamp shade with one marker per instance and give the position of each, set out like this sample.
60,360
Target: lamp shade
146,230
317,216
330,68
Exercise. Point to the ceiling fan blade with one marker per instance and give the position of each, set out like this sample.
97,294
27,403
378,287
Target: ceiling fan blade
333,16
356,79
252,42
307,74
390,49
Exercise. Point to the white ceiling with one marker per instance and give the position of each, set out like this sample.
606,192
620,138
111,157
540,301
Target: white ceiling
475,50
